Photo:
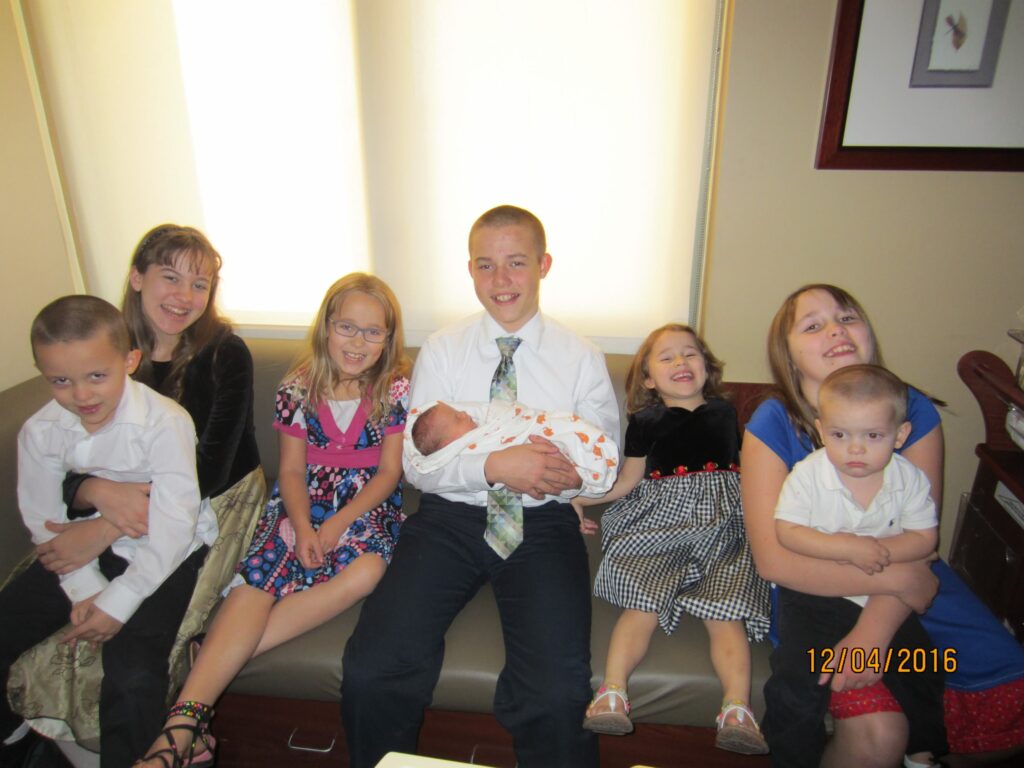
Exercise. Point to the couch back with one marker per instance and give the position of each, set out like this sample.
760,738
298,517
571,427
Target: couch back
271,358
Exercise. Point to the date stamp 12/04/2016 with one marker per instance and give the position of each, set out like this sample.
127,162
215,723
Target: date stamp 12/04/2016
902,660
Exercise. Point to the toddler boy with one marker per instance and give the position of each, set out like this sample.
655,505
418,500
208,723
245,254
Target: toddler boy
856,501
133,596
438,432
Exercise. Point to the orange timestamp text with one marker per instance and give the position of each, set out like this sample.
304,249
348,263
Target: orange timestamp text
858,660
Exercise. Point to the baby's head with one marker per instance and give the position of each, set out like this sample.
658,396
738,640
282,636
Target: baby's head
438,426
862,412
80,344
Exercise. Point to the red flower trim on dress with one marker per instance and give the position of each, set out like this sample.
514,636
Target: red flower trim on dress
682,471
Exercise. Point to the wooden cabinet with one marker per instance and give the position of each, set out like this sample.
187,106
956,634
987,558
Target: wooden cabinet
988,544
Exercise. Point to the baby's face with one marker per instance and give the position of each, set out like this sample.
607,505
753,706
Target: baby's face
452,424
859,438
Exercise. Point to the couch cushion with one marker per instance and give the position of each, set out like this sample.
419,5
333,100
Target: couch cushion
674,684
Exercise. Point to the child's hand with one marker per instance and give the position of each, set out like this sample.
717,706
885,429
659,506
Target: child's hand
75,544
91,624
308,548
123,505
329,535
80,610
588,527
867,553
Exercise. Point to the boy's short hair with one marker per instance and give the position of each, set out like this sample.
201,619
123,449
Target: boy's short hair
511,216
425,435
867,383
79,317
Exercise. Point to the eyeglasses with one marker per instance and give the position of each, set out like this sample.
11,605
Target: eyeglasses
347,329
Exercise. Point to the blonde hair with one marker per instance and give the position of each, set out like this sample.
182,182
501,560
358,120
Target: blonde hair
639,396
317,374
783,367
166,245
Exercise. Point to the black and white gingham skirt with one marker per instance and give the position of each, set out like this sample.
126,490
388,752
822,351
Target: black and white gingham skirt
678,544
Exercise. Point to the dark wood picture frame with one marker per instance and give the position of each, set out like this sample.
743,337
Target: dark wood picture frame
832,154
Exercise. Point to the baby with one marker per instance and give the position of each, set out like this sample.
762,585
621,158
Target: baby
438,432
857,501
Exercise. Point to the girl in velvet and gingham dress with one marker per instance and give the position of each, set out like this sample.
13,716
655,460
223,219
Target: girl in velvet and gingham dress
674,540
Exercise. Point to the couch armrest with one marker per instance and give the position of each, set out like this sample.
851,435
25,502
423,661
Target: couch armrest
20,402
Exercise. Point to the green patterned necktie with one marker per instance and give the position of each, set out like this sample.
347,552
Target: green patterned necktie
504,508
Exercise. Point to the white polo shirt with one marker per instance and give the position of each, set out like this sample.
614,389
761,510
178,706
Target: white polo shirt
814,496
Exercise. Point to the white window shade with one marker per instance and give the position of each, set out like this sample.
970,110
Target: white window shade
317,137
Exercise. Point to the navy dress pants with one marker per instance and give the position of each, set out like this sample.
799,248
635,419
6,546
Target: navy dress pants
393,658
135,676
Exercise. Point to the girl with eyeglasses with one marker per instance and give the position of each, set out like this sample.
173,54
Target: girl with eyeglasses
340,414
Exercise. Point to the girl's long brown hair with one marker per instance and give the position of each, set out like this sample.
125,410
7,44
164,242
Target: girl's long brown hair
317,373
639,396
169,245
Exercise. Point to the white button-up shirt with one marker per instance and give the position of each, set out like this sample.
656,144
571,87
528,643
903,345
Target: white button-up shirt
150,439
556,370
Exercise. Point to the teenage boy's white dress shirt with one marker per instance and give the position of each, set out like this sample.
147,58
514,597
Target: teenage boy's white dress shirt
150,439
556,370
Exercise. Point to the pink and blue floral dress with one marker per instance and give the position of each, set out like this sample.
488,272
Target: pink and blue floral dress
339,462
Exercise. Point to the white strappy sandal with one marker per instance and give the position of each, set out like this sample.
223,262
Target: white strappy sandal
615,721
741,737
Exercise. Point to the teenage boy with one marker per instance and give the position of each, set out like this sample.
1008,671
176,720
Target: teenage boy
855,501
503,517
133,596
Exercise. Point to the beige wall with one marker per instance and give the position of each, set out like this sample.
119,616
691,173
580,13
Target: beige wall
935,257
35,257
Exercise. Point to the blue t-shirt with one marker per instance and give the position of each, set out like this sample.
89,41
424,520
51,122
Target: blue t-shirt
771,425
987,654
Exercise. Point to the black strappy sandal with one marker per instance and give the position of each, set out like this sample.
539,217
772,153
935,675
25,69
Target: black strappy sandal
199,751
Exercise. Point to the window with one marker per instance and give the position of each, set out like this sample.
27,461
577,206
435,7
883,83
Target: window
318,137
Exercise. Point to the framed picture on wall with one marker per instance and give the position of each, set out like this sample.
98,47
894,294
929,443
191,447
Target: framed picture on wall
956,112
958,43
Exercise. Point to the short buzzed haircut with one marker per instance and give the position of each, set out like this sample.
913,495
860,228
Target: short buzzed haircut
867,384
425,434
76,318
511,216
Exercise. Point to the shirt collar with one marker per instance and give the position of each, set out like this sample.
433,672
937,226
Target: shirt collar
531,333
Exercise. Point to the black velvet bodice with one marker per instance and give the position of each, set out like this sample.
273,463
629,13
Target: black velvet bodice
675,437
217,391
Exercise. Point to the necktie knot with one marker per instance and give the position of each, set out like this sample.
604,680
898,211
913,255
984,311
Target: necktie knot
508,345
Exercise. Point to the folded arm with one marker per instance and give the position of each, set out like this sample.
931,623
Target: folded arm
763,476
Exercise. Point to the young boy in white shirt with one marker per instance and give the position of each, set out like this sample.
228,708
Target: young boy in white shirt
133,596
856,501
